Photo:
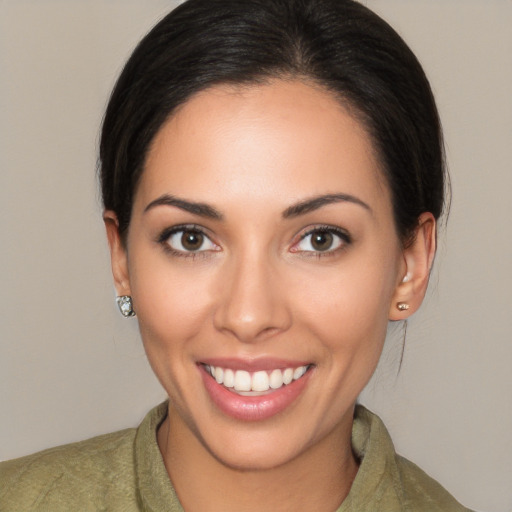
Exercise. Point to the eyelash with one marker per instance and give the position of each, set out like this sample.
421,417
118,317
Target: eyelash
163,239
344,240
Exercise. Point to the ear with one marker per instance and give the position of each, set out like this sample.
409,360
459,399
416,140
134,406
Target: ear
418,258
118,256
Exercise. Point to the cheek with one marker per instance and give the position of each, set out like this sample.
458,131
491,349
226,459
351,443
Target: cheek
171,301
173,310
348,310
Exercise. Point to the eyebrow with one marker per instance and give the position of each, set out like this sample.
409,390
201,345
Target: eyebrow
317,202
201,209
301,208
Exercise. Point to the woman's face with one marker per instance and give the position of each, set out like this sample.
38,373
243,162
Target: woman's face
262,246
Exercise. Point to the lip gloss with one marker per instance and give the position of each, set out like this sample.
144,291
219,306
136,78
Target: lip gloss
252,408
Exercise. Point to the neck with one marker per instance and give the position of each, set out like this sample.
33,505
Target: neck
318,479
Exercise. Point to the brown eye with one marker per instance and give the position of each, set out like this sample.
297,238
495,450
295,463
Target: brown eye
192,240
322,241
188,240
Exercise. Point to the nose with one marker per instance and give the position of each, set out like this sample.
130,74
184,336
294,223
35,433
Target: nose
252,303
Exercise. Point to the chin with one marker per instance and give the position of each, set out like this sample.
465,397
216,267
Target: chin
251,454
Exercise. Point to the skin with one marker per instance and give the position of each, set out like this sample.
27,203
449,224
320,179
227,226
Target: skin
259,289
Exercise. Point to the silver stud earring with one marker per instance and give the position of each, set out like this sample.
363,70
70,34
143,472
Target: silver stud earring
125,305
402,306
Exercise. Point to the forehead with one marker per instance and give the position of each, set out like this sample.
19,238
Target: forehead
288,137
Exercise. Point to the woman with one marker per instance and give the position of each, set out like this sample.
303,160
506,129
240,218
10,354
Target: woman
272,175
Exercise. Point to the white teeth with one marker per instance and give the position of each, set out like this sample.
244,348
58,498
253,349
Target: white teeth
276,379
219,375
242,381
299,372
259,382
287,375
229,378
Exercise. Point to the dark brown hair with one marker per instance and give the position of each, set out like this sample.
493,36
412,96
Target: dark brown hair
339,44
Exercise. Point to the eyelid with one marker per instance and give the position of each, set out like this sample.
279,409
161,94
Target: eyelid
342,234
167,233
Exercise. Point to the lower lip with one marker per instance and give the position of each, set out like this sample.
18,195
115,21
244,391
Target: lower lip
253,408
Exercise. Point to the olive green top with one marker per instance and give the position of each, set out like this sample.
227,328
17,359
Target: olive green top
124,471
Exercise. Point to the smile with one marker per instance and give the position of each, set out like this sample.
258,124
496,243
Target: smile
255,395
254,383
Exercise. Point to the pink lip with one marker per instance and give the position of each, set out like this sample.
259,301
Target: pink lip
253,408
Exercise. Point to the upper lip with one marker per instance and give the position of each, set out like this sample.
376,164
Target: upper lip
254,365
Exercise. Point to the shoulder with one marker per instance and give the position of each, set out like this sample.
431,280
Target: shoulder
387,480
423,493
92,473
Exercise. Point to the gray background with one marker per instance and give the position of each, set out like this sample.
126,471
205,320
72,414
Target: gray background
71,368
